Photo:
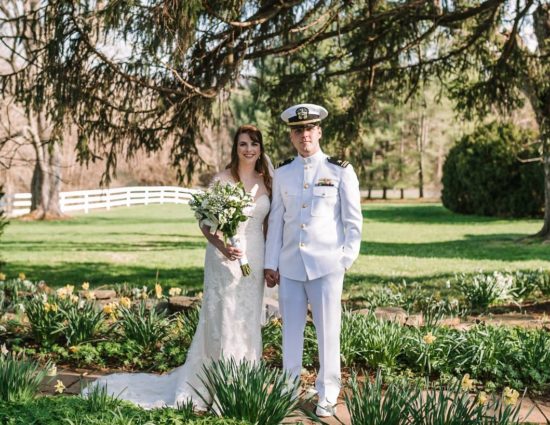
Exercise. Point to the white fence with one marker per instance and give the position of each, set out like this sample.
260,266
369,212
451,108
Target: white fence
86,200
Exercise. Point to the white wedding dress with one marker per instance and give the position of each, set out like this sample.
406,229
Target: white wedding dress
229,324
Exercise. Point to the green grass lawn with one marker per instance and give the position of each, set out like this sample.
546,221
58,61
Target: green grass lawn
422,242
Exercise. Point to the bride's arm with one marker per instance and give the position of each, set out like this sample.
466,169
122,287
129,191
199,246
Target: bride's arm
228,250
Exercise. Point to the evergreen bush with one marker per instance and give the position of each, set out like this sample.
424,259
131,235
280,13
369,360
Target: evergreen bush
482,174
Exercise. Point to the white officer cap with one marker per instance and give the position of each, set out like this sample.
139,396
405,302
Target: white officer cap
303,114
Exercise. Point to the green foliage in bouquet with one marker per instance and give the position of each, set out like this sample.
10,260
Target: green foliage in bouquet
222,207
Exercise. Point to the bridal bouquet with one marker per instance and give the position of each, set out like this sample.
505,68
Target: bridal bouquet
222,208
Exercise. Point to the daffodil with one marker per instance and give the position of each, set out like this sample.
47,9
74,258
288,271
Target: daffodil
125,302
2,277
109,308
53,307
174,292
158,291
482,398
59,387
74,299
86,286
69,289
429,338
4,350
62,293
90,295
22,276
467,383
52,371
144,295
73,349
510,396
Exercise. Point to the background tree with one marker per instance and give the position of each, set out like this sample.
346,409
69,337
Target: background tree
25,125
135,75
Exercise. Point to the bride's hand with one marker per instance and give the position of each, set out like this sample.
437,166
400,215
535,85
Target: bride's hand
231,252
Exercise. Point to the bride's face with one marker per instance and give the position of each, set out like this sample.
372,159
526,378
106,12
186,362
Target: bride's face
248,150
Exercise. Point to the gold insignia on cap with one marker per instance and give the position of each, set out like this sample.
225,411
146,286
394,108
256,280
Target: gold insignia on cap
302,113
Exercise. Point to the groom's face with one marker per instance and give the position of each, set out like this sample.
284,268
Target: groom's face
306,139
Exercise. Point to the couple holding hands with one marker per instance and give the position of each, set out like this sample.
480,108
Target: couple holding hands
303,233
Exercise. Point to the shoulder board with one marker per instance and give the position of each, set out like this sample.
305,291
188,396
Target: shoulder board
286,162
340,162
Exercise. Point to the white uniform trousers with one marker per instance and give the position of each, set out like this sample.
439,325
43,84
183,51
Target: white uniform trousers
324,295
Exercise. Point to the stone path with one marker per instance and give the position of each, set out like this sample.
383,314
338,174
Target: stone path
73,381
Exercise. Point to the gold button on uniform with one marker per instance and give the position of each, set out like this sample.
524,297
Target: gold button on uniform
303,226
304,206
302,245
306,186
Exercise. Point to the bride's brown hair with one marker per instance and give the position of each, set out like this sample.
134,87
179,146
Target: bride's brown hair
261,166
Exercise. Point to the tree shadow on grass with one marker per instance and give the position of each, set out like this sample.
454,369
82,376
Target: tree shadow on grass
105,246
100,273
502,247
425,214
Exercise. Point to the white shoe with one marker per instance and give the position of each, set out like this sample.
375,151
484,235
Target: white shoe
325,410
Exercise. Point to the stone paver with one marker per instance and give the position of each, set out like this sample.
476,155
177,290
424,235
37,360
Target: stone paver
529,412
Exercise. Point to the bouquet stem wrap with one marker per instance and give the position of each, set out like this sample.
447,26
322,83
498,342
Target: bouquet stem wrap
243,261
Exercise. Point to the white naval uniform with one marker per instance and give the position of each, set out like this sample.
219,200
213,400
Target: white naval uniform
314,235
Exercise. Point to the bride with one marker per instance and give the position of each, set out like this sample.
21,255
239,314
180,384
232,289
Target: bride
231,314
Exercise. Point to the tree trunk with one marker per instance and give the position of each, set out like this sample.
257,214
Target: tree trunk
46,178
539,96
420,147
545,137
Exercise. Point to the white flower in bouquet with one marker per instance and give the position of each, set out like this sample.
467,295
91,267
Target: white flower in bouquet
222,208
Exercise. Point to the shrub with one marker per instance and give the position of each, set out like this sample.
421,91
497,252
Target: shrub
481,290
82,321
368,340
146,327
20,378
482,174
45,319
250,391
403,404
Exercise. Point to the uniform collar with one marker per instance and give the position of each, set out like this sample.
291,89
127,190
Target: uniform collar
313,159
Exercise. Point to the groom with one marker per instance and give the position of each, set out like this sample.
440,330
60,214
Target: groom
314,235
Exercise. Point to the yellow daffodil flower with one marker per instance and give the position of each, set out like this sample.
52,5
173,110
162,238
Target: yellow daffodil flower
174,292
86,286
510,396
482,398
2,277
22,276
125,302
158,291
467,383
429,338
59,387
52,371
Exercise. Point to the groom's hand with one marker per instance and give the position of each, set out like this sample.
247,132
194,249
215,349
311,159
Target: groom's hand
271,277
